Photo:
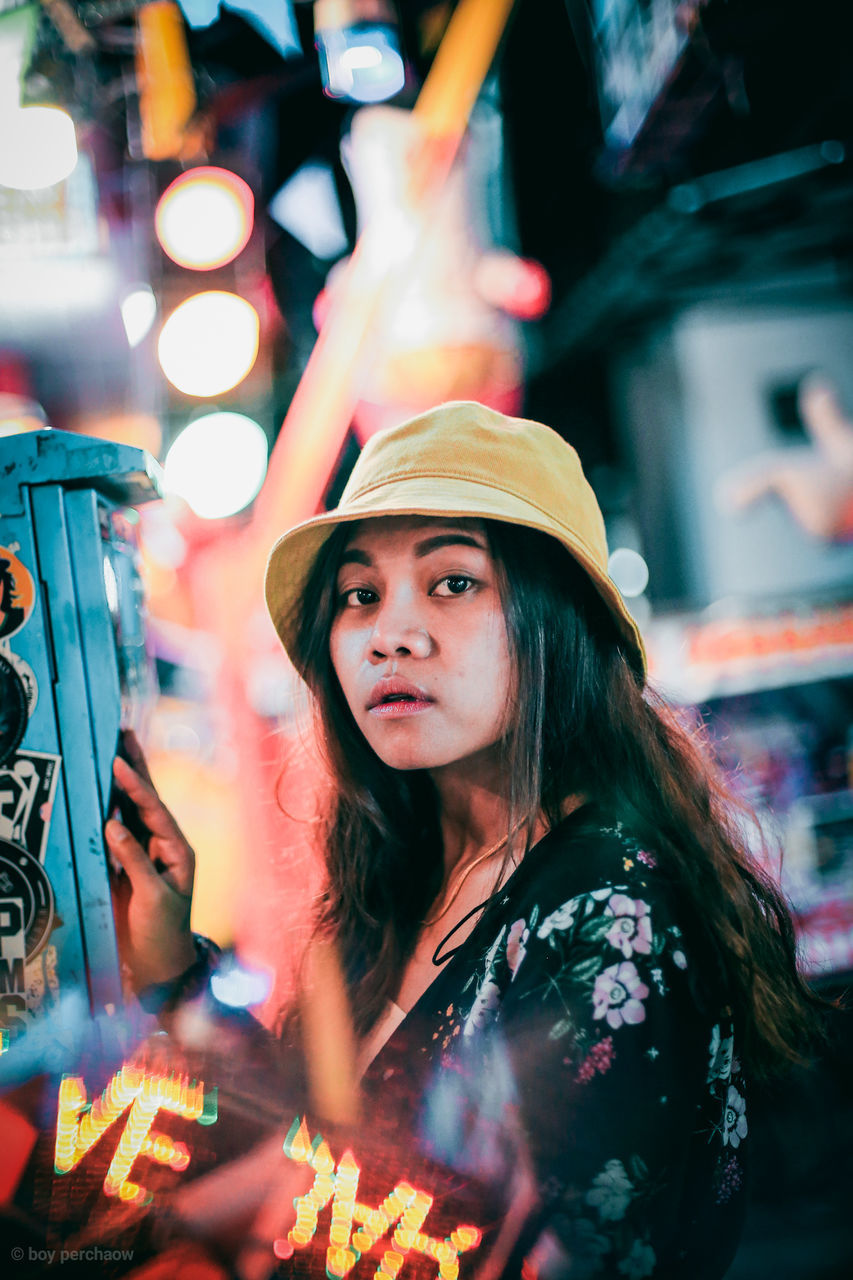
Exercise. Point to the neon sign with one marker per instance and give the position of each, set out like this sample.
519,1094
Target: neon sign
355,1227
145,1094
405,1206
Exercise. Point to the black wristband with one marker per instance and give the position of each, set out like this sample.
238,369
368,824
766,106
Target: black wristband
163,997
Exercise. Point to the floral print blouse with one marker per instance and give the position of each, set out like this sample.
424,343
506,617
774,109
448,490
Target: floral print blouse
566,1060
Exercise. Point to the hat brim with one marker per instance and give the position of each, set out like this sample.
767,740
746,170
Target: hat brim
294,555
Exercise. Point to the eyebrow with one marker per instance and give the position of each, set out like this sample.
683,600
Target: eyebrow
423,548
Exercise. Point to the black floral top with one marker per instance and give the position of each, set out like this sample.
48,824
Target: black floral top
566,1060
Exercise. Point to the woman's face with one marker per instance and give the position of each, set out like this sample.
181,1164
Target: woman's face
419,642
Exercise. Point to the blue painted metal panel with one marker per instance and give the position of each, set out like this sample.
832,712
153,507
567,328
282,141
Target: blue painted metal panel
72,634
83,792
88,558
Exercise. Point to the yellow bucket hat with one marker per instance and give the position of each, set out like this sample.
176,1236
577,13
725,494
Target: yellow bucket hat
459,459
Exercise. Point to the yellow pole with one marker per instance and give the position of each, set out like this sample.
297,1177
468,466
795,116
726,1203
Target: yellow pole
461,64
166,89
316,423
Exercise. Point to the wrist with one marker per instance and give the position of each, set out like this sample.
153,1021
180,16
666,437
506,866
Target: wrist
164,966
162,997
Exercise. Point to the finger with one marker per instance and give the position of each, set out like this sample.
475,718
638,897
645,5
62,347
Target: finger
130,855
175,861
257,1259
134,752
167,851
153,812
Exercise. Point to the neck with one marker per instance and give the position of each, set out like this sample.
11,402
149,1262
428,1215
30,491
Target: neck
474,812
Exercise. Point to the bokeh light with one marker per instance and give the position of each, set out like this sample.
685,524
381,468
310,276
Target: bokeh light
217,464
18,413
362,64
629,571
204,218
239,988
519,286
138,312
209,343
38,147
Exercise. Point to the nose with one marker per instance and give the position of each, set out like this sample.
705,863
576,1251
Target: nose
399,631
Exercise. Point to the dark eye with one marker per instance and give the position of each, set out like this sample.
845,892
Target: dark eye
456,583
357,597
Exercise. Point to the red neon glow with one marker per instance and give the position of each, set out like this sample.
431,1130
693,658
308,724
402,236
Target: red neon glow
519,286
205,218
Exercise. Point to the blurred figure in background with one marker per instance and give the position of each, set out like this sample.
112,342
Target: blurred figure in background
815,481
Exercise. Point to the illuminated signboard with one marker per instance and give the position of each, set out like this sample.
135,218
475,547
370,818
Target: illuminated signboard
355,1227
405,1206
145,1094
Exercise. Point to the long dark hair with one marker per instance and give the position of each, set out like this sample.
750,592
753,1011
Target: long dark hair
605,736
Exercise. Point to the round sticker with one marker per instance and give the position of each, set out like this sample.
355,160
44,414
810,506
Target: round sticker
17,593
13,710
28,679
23,877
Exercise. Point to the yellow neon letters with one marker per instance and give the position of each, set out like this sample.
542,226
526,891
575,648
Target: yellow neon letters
145,1094
405,1209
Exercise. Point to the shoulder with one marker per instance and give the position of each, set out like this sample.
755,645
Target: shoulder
592,913
589,855
593,888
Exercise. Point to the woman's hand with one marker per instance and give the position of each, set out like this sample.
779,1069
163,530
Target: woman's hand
152,900
242,1208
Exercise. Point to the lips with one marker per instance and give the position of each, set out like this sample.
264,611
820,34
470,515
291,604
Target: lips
392,692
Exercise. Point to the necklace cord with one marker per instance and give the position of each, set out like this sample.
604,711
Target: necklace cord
437,959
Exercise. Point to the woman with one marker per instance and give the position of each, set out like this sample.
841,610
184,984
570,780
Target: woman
562,964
